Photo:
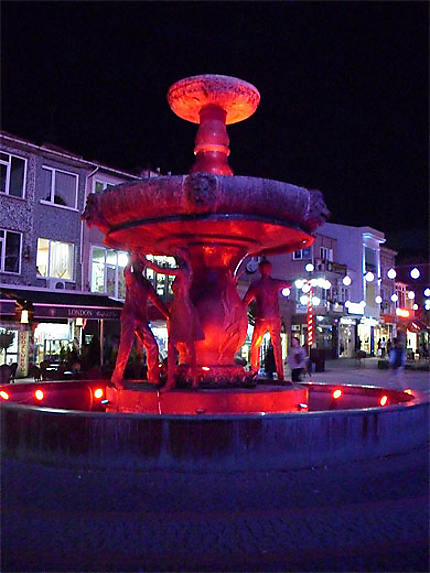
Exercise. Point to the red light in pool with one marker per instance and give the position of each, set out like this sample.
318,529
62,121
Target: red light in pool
98,393
205,368
383,400
337,394
39,394
4,395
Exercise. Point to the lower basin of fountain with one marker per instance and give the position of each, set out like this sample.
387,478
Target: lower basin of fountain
230,429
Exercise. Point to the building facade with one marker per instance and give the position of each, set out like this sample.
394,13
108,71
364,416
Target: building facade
45,253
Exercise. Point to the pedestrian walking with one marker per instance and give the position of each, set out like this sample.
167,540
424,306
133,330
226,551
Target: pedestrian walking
397,361
383,347
297,360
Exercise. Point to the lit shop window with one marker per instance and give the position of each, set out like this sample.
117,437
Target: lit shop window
326,254
8,345
12,175
10,251
107,272
302,254
100,186
162,283
59,188
54,259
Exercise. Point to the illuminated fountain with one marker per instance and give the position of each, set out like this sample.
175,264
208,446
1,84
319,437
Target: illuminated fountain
219,219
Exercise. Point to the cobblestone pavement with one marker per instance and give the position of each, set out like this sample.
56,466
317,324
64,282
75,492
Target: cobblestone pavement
366,516
363,516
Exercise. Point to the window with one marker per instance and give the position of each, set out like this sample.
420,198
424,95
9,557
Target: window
302,254
59,187
10,251
162,283
326,254
370,259
107,271
9,346
12,175
100,186
54,259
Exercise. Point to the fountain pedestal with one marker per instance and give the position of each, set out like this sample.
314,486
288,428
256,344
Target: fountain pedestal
259,400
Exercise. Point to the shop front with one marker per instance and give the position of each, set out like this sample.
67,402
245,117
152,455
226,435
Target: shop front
46,325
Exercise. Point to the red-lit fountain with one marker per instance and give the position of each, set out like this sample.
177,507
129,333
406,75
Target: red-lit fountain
217,219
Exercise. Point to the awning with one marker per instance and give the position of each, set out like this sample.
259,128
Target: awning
47,304
416,325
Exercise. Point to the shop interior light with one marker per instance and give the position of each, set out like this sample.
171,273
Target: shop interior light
122,259
411,295
408,391
285,292
369,276
24,316
316,300
326,284
415,306
427,304
415,273
309,267
304,299
39,394
394,297
314,282
98,393
402,312
391,274
347,280
306,287
4,395
383,400
427,292
337,394
347,303
79,321
205,368
299,283
362,303
378,299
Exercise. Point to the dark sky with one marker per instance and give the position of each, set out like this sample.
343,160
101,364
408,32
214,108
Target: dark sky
344,91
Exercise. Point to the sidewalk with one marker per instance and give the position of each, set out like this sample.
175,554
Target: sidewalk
347,371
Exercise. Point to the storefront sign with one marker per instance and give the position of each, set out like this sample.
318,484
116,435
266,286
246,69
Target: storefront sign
345,320
355,308
91,313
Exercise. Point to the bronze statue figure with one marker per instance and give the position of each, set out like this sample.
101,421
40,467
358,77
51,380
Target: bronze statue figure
265,292
134,321
183,324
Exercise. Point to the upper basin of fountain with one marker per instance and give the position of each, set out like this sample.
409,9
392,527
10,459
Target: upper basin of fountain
187,97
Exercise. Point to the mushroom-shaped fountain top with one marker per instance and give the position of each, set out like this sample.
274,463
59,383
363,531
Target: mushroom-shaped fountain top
213,102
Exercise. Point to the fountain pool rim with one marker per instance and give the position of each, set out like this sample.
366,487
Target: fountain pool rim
210,443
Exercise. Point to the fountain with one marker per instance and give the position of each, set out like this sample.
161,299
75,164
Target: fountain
218,219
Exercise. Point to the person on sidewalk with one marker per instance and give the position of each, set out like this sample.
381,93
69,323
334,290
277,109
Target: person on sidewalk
297,358
397,361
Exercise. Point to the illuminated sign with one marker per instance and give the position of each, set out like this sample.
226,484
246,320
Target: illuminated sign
355,308
402,312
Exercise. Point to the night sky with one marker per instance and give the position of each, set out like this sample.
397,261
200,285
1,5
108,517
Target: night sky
344,91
